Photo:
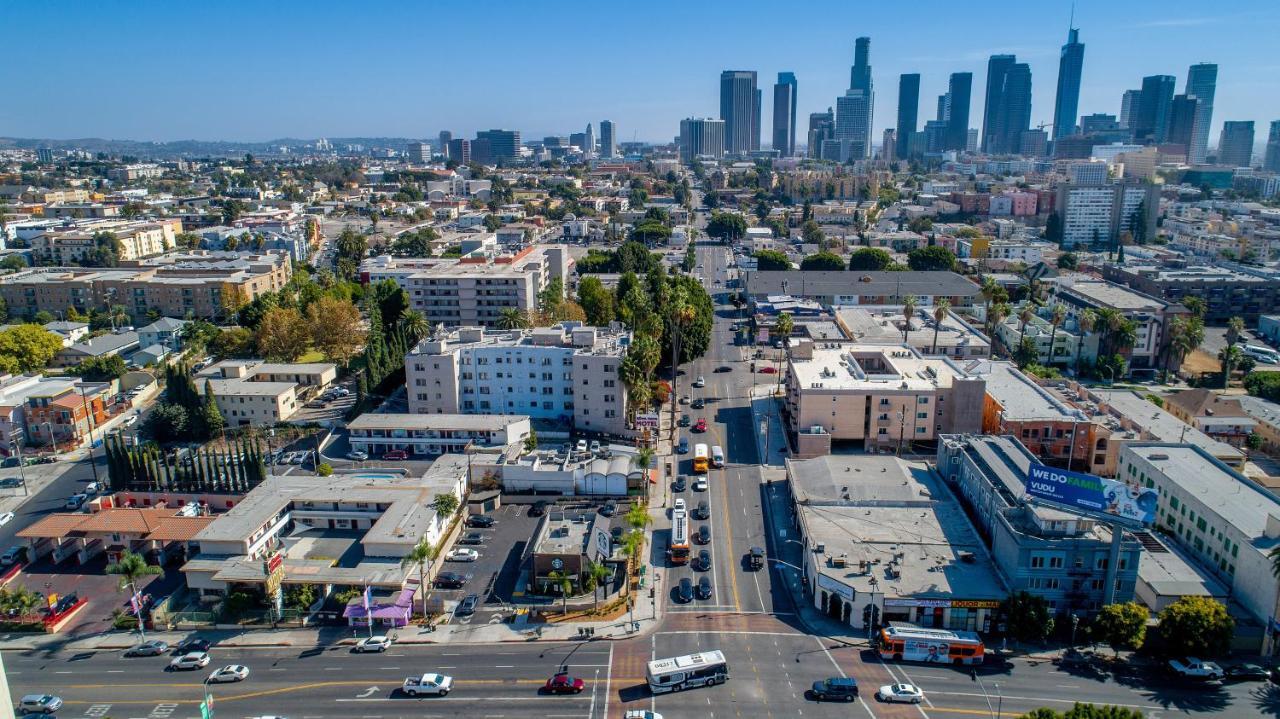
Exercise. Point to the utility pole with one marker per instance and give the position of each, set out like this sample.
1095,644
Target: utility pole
89,419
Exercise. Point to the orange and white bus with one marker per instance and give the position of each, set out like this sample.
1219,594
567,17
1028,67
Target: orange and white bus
701,459
935,646
679,549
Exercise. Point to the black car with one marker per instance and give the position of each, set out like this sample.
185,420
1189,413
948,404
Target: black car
467,605
472,538
704,560
702,511
1248,673
835,688
704,534
681,484
755,558
698,403
451,580
684,592
192,644
609,509
724,368
685,420
538,509
704,588
482,521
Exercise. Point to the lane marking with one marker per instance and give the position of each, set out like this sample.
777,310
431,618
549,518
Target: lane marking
608,683
840,669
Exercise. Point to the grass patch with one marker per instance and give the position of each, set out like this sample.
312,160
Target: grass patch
311,356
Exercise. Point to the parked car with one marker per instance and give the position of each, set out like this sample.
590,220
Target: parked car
74,501
1248,672
841,688
685,420
13,555
704,534
452,580
684,592
905,693
468,605
702,511
229,673
482,521
357,455
595,446
92,488
190,660
768,369
193,644
40,703
379,643
704,587
462,555
6,518
563,683
1194,668
581,446
680,484
473,539
396,455
152,648
298,457
609,509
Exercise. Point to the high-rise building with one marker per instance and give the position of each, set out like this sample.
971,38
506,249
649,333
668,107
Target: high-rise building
1235,145
494,146
959,89
1129,108
1202,83
784,114
588,145
997,66
44,155
1151,125
460,151
889,145
822,127
419,152
860,73
908,111
1271,162
856,108
1013,110
1098,122
608,139
1184,117
445,138
701,136
1066,105
740,110
1034,143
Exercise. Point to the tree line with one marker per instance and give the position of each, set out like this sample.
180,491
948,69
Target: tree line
147,468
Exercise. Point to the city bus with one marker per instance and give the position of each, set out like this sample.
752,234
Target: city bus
700,459
679,549
717,457
704,669
942,646
1266,355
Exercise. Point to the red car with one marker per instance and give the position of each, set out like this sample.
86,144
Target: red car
701,426
768,370
564,684
396,454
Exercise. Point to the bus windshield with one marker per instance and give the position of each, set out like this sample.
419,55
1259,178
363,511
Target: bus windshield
701,459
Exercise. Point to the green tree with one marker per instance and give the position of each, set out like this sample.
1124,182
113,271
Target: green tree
1229,356
282,335
812,234
909,304
924,259
27,348
1195,305
324,469
597,574
1085,324
511,318
531,441
726,226
100,369
1053,228
335,329
1068,261
767,260
414,326
421,556
415,244
563,582
1027,617
1123,626
445,505
870,259
130,568
941,309
1196,626
232,342
1085,711
596,301
822,261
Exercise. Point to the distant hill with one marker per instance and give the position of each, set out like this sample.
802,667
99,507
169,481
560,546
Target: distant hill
192,148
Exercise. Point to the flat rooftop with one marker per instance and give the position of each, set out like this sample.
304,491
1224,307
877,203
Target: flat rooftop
1172,573
883,325
865,284
1022,399
564,532
871,367
466,422
1164,426
1109,294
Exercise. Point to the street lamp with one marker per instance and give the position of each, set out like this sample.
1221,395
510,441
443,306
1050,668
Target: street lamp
999,702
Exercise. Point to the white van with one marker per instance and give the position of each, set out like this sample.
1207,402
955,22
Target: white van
1265,355
717,457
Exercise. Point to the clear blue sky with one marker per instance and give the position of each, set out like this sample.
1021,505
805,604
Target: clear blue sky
259,70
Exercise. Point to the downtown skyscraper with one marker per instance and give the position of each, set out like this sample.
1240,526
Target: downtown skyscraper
1202,84
608,139
1066,104
997,66
740,110
959,91
1007,114
908,112
1151,122
856,108
1271,160
1235,145
784,114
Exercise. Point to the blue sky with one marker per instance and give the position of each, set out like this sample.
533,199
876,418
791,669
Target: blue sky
260,70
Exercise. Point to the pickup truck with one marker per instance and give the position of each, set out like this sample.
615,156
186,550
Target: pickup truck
437,684
1193,668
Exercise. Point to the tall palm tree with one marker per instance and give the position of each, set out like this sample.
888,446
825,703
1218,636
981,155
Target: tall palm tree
1235,328
599,573
1230,356
908,312
1196,305
130,569
119,315
638,516
999,311
513,319
422,555
1107,321
414,325
1086,323
1057,314
784,326
1025,315
940,310
643,460
988,291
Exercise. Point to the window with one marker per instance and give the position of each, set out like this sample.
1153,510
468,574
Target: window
1037,562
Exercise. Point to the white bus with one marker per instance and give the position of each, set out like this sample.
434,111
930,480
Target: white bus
679,549
717,457
1265,355
692,670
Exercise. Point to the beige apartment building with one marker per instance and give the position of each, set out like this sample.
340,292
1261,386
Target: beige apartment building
257,393
888,398
567,374
137,240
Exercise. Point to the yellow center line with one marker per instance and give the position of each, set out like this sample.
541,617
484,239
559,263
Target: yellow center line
728,520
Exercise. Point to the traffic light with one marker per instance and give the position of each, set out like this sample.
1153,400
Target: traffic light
866,616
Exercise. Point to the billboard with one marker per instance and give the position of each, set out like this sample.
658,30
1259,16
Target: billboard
1127,502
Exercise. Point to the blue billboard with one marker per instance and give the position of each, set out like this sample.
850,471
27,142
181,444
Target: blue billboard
1130,503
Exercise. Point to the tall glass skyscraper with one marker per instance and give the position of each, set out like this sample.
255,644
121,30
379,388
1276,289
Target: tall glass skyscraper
1151,125
908,112
1066,105
997,66
740,110
855,110
784,114
1202,83
959,90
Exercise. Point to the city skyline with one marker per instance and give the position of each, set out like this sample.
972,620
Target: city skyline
269,92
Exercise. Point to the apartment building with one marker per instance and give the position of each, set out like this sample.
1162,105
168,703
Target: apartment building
473,291
1228,289
1213,413
567,374
1042,334
63,412
1098,213
256,393
883,397
1059,556
432,435
135,172
863,288
1151,315
71,244
884,325
201,284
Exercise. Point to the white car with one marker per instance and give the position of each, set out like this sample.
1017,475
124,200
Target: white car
907,693
679,505
641,714
700,382
357,455
700,485
6,518
463,554
92,488
191,660
379,643
231,673
581,446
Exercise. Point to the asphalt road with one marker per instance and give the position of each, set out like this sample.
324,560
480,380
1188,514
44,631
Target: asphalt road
52,497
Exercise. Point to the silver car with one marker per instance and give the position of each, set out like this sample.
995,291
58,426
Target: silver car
40,703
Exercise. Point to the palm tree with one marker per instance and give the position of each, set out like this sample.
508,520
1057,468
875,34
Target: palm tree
908,312
1086,324
638,516
414,325
988,291
1107,321
513,319
1196,305
564,582
1057,314
119,315
422,554
597,573
1235,328
130,569
999,311
783,326
940,310
1230,356
1027,313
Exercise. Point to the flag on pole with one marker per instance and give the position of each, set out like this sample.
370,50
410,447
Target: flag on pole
368,594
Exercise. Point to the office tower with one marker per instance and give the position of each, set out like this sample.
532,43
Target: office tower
44,155
1012,112
419,152
784,114
1202,83
971,140
959,88
1235,145
740,110
581,141
1129,109
460,151
1066,104
557,141
997,66
1184,114
889,145
908,111
822,127
1151,122
935,137
860,73
701,136
588,145
1098,122
1271,162
445,138
1034,143
853,122
608,139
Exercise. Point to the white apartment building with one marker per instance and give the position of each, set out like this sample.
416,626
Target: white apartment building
1028,252
1098,213
434,434
566,374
